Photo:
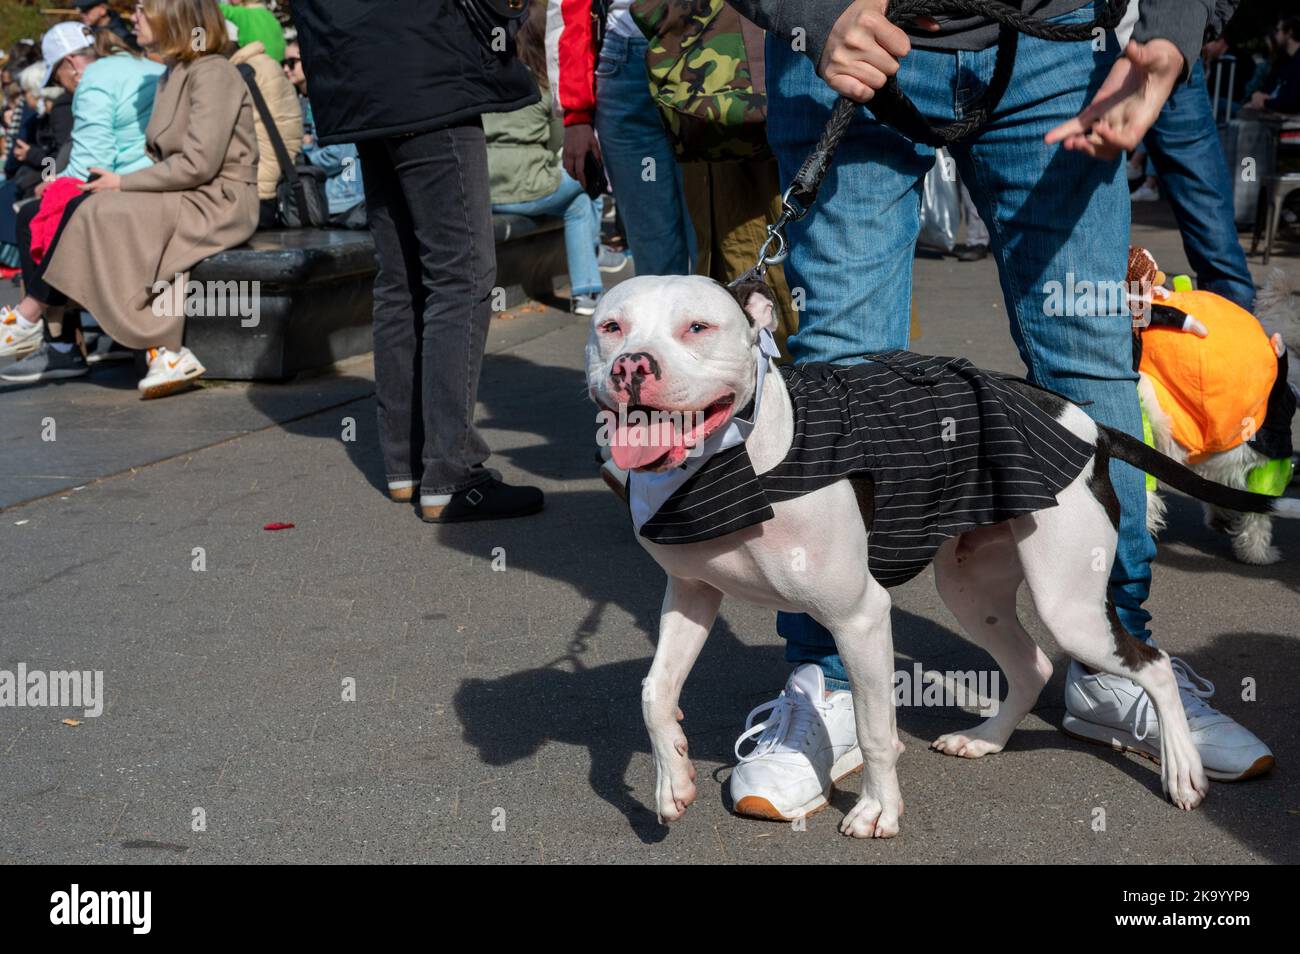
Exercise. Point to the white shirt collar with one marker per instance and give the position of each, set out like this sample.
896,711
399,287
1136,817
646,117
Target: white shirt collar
647,492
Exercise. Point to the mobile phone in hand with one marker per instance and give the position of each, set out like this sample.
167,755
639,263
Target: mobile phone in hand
594,172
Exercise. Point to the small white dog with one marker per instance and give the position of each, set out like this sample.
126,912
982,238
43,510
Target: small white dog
902,460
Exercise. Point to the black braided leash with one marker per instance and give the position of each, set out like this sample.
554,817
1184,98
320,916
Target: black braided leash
891,105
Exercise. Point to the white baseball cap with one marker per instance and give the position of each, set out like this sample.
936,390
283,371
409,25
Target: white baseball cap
60,40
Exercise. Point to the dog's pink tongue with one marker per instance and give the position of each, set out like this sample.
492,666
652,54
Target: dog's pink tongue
636,445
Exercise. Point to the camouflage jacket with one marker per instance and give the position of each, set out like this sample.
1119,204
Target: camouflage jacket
705,64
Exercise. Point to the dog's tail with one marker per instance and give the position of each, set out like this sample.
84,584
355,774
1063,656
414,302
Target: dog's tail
1169,471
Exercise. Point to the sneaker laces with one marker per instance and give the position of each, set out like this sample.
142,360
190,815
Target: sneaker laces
1193,695
1193,690
792,715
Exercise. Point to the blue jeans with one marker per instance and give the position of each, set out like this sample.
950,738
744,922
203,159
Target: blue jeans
640,163
581,229
1184,147
1050,214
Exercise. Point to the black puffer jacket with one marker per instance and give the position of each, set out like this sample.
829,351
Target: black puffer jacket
384,67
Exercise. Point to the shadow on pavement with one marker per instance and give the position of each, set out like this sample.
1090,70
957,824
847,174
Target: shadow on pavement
355,399
598,708
1214,550
521,398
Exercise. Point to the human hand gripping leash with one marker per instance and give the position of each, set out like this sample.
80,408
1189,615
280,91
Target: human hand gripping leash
891,105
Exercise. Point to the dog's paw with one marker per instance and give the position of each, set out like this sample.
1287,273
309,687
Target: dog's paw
1266,557
674,781
1185,791
870,818
671,800
968,745
1182,777
1252,552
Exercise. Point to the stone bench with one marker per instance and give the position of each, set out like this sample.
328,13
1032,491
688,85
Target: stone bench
314,295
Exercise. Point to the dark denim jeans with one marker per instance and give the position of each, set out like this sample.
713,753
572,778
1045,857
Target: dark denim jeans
431,218
1185,150
1053,217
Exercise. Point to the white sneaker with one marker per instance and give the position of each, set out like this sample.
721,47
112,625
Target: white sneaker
169,371
1144,193
806,742
17,335
1117,712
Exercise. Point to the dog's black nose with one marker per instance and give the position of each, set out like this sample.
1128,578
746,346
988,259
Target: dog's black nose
633,368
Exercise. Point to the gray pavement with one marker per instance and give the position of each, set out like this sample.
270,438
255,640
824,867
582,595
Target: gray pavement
497,712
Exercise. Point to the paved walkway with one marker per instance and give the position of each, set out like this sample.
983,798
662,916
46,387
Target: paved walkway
497,713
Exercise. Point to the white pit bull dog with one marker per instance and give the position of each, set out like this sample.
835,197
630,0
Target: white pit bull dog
867,472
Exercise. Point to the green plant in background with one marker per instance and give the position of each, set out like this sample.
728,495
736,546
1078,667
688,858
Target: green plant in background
21,18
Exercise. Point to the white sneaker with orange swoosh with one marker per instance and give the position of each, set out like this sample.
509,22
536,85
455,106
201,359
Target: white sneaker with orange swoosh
17,335
169,372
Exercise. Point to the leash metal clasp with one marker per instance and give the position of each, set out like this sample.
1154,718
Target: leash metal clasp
775,236
776,247
791,209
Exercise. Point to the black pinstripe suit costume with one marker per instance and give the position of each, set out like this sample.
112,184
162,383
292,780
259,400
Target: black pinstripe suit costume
948,448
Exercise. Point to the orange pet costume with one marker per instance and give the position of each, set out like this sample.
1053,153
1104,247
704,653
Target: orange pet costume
1215,389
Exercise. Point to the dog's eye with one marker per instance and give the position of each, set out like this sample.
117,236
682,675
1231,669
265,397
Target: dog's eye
610,327
696,327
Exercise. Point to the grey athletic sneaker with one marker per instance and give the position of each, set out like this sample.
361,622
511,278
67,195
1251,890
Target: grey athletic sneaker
46,364
612,260
583,304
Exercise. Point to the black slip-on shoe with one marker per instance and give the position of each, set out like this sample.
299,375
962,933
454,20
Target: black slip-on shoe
971,253
490,500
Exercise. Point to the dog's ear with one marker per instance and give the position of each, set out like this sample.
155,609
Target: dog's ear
758,302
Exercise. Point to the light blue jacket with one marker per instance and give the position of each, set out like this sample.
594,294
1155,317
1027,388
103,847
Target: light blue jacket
110,111
343,188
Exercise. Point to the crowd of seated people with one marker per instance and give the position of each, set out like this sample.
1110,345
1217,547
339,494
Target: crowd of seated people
1275,84
132,153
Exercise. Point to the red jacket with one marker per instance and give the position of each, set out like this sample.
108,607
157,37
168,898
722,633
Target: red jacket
571,59
45,224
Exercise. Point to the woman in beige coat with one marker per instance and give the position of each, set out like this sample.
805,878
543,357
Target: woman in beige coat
124,251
